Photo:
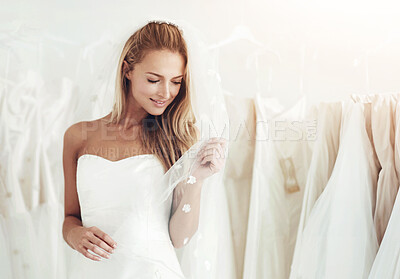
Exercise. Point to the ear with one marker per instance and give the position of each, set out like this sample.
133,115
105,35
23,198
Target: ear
125,68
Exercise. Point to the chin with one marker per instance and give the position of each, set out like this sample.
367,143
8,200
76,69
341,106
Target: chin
155,111
156,114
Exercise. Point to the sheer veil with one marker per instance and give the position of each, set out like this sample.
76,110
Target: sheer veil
209,253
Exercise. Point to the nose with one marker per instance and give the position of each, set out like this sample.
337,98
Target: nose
164,92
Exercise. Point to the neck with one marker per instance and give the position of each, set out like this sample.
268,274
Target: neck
133,115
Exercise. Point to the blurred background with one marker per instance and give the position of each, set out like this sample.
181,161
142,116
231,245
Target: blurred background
53,56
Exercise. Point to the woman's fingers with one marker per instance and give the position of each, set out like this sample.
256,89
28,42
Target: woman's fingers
93,240
220,145
213,155
211,149
207,158
104,241
215,164
221,141
102,245
213,152
84,251
95,248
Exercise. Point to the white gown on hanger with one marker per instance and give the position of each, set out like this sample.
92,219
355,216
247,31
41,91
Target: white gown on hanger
281,163
387,261
31,211
339,240
322,163
115,197
383,133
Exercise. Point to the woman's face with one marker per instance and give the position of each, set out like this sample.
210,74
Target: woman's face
157,78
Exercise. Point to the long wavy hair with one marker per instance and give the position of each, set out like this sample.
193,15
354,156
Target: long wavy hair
172,133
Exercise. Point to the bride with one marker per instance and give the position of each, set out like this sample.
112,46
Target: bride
115,167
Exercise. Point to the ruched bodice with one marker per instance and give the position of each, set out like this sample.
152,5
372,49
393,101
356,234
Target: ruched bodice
116,196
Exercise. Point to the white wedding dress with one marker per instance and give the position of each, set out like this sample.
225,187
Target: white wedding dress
321,166
387,261
339,239
116,196
281,163
383,131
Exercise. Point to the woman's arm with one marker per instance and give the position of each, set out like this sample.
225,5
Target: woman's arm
186,196
72,214
185,212
74,233
185,221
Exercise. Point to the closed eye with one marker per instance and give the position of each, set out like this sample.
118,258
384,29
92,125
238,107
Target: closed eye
155,81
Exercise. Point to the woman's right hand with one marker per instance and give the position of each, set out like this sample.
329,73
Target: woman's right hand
83,239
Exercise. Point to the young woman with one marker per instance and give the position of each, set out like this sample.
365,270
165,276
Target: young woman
111,163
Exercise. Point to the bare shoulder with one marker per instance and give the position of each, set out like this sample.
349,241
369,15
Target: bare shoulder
76,135
79,133
73,138
74,131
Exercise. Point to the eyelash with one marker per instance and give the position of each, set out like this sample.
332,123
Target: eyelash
155,81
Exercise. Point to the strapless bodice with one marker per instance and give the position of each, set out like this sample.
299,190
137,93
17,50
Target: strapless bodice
110,191
116,197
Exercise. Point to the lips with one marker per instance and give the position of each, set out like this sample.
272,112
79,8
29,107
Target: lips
158,103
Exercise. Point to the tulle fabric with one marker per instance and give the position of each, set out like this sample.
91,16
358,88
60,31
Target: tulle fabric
209,253
339,239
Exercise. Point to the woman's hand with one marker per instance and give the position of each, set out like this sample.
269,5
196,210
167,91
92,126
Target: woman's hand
211,158
83,239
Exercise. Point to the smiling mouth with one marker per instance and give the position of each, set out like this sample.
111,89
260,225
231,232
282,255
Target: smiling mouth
158,102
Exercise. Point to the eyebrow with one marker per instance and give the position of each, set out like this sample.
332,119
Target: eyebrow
161,75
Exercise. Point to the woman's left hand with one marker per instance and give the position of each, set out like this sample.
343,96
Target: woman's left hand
211,158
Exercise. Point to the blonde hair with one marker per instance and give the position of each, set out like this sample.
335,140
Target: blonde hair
173,132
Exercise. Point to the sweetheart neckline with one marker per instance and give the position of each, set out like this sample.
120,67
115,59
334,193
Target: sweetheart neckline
111,161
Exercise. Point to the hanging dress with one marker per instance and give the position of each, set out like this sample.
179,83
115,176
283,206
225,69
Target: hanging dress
339,239
383,132
387,261
281,162
322,162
